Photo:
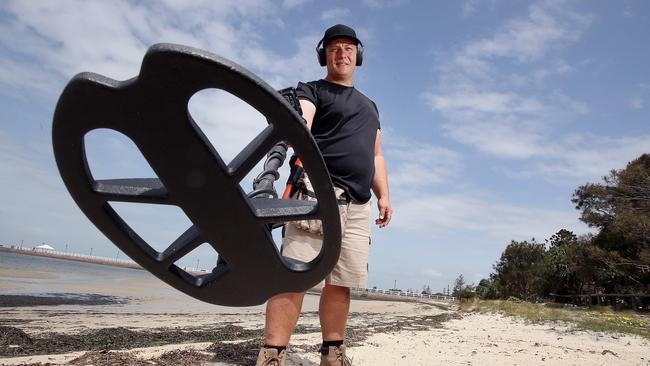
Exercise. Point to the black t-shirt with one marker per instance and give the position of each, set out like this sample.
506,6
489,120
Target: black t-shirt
345,127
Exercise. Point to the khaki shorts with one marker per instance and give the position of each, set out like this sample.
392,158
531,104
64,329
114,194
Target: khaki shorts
352,267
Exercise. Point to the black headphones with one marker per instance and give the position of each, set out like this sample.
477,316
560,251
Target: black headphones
322,59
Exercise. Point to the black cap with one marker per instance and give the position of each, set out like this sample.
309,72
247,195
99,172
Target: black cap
339,31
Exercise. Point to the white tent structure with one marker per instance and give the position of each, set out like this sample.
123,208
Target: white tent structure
44,247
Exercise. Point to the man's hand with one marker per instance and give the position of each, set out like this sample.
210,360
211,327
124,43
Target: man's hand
385,212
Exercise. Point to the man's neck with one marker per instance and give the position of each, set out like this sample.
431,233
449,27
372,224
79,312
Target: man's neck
341,81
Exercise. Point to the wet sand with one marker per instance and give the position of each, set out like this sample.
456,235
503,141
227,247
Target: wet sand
15,301
17,273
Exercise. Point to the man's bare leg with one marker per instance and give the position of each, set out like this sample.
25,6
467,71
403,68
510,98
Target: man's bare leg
333,312
282,312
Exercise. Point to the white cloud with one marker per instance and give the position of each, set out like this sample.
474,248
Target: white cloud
430,273
36,206
529,38
487,107
80,37
563,102
335,14
469,7
416,169
47,43
16,74
558,67
378,4
517,115
497,111
438,215
592,157
637,102
413,164
53,41
290,4
281,72
505,138
483,102
112,155
228,122
110,38
628,11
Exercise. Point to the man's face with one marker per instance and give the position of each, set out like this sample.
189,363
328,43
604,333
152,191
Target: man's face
341,55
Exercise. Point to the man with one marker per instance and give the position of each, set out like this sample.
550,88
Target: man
345,125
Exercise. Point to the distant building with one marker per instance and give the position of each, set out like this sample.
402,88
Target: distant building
44,248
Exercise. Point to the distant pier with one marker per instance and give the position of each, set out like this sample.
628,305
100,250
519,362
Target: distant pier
124,263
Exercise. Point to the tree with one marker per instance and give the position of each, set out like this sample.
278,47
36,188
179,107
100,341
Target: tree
562,260
488,288
573,264
620,208
520,270
467,292
562,238
459,284
461,290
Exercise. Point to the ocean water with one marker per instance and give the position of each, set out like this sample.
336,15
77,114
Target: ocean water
32,275
28,274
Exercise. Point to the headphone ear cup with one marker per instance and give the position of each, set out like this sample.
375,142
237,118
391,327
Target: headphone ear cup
321,56
359,54
320,53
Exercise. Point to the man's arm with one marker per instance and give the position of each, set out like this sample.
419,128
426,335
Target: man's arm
380,185
308,111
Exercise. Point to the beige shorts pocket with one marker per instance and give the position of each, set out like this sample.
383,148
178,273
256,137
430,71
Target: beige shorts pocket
316,226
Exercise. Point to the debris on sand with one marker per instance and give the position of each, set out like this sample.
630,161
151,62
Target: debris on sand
118,338
12,336
242,353
171,358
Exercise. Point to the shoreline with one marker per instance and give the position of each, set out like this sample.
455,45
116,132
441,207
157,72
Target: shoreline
358,293
395,333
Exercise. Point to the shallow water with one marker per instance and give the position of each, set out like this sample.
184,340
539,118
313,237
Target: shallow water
31,275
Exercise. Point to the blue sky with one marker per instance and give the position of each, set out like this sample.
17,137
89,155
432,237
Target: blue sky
493,112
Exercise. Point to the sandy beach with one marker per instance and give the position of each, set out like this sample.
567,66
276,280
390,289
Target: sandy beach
381,333
127,317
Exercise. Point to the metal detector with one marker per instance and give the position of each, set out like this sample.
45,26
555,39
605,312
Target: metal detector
151,109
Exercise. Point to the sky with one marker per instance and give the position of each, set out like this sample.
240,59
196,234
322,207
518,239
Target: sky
492,113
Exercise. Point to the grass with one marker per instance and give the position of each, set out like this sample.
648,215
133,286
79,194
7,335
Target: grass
601,319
